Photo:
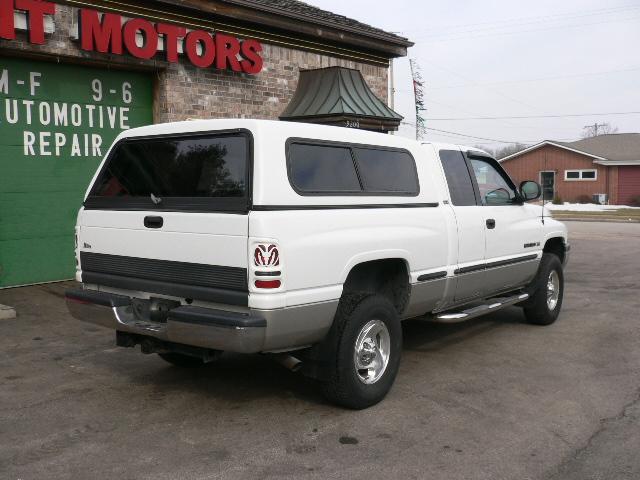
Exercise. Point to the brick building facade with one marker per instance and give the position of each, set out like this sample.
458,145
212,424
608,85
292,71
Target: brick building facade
183,91
74,74
575,171
186,92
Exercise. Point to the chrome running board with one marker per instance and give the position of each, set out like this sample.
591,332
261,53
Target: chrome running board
497,303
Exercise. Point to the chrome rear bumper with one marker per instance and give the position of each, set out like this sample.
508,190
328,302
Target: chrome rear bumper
188,325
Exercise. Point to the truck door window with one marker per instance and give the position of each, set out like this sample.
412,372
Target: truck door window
458,178
494,188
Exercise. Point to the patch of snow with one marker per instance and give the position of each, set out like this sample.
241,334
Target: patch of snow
585,207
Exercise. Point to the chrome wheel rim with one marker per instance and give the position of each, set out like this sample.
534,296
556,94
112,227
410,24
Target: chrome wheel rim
553,290
371,353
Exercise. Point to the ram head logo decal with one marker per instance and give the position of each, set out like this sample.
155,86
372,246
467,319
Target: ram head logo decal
266,256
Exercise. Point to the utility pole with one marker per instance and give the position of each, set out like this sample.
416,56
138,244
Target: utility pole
595,127
392,89
418,94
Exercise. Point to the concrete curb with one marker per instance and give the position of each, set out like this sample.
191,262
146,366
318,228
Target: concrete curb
7,313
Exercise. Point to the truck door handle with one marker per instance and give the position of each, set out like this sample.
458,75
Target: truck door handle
491,223
153,222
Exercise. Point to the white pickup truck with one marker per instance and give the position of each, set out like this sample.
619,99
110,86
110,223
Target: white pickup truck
308,242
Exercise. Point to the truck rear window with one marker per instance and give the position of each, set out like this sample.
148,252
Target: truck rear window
203,172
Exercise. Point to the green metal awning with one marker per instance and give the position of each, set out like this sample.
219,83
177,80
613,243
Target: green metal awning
339,96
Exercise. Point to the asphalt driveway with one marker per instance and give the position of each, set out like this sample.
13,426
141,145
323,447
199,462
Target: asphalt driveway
493,398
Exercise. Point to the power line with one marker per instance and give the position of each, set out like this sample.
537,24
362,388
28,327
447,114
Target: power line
455,136
506,124
455,35
524,20
448,133
431,101
518,117
492,90
478,138
538,79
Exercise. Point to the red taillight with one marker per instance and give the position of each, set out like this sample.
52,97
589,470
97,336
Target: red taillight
267,283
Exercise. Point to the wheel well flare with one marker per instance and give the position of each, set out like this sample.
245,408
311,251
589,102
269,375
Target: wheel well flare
388,277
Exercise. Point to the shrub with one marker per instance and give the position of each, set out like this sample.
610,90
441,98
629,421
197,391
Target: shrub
557,200
584,199
635,201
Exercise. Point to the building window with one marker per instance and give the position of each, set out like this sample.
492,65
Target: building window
577,175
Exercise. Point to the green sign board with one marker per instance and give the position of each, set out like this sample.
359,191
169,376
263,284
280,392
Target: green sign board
57,122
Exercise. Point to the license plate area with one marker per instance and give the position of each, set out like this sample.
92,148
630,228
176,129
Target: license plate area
153,310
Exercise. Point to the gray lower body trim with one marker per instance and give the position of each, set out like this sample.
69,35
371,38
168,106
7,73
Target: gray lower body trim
470,285
495,277
256,331
299,326
424,297
510,276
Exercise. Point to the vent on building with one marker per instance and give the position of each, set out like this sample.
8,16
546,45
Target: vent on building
339,96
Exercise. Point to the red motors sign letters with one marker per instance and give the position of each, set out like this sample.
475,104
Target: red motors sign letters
108,34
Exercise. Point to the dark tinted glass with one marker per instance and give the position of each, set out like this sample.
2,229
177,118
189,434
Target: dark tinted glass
386,171
176,167
458,178
574,174
321,168
589,174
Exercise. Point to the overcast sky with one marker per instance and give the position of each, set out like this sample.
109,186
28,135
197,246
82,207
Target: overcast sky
499,58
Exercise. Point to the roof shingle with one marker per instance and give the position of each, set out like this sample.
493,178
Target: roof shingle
297,8
615,147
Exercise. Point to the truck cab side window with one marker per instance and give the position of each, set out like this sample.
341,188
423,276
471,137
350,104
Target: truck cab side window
322,169
494,188
387,171
458,178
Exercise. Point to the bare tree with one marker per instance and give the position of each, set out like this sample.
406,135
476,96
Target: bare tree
485,148
509,150
502,152
598,129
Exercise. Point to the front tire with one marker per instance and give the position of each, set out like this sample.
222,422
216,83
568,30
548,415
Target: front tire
543,307
367,338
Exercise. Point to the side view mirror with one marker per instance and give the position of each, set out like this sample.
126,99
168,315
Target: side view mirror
530,190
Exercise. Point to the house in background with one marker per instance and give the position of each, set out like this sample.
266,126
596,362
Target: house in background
575,171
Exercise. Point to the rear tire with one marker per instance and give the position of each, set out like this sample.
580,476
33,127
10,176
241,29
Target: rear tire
543,307
367,341
182,361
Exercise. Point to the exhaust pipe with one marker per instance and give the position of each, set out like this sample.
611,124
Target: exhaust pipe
288,361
